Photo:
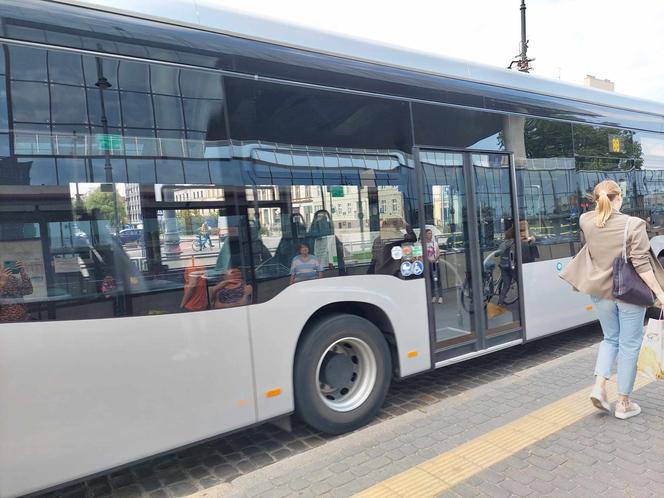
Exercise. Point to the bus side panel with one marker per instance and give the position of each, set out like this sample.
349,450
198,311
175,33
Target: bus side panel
551,304
276,327
78,397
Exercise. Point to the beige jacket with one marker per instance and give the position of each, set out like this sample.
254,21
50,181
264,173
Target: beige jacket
591,270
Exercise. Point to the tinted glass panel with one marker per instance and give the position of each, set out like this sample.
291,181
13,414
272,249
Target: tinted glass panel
65,68
90,226
30,102
439,126
334,188
68,104
293,115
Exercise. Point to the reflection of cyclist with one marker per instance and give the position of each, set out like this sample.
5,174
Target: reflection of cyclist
204,236
529,253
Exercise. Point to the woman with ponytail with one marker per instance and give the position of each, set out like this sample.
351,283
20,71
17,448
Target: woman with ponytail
591,272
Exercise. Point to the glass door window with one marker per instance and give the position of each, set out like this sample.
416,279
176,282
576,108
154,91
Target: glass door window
472,241
446,243
497,236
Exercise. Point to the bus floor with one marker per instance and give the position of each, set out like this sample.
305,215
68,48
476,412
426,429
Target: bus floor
422,418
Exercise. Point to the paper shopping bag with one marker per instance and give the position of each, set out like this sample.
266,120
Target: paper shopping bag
651,354
493,310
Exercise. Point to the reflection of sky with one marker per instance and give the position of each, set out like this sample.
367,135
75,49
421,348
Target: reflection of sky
488,143
652,146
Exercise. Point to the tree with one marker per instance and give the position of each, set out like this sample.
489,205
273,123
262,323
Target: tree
103,202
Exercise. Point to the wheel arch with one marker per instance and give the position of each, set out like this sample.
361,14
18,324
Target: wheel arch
368,311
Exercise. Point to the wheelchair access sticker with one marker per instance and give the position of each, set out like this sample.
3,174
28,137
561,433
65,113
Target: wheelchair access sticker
418,268
406,268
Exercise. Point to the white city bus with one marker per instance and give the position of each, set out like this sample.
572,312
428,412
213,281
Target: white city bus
324,161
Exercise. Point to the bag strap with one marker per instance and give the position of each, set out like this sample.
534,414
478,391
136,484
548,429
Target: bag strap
624,248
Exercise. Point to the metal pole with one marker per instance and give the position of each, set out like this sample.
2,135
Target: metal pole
522,61
524,42
103,84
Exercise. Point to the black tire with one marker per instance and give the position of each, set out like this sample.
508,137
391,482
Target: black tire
309,405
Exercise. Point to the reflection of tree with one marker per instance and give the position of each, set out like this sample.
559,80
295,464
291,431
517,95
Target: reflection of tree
103,201
190,220
548,139
592,144
589,145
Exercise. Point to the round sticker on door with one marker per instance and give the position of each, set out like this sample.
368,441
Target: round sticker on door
559,266
407,250
406,268
397,253
418,267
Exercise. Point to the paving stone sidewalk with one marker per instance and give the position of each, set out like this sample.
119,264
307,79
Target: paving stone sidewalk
599,455
226,459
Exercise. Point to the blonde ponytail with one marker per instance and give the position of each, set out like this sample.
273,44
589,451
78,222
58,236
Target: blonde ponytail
604,194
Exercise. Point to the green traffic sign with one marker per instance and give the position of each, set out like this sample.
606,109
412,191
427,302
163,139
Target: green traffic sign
109,142
337,191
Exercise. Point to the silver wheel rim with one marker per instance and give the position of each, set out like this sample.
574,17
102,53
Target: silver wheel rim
352,394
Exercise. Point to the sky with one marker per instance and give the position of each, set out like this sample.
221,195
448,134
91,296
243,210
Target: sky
620,40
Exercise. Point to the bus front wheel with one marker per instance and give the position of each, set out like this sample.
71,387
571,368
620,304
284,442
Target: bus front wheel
342,373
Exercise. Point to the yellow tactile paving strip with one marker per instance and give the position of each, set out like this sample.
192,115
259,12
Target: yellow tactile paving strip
445,471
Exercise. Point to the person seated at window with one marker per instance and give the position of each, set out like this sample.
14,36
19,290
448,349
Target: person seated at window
232,291
14,284
305,266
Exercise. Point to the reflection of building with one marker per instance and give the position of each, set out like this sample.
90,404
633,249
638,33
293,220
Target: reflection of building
201,193
133,203
593,82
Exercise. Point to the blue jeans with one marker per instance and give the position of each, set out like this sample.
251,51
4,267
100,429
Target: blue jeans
622,325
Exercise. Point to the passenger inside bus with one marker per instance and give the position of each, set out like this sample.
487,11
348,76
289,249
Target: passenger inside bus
305,266
232,291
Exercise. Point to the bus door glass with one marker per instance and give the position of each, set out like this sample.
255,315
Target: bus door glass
472,239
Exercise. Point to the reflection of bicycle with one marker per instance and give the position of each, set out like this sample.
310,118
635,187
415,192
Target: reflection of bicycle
491,286
200,242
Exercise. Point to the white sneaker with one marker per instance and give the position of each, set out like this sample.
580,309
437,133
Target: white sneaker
627,410
433,300
440,300
598,398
